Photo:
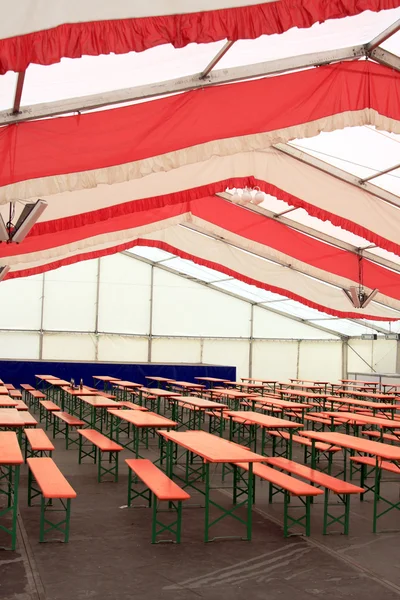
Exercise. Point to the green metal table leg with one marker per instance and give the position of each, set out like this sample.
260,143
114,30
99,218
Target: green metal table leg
207,501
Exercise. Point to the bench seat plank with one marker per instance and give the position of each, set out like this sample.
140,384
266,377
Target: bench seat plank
386,465
98,439
161,485
332,483
69,419
36,394
385,436
292,485
49,405
300,440
38,440
49,478
131,405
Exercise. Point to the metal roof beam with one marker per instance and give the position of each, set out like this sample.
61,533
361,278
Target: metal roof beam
379,173
385,58
182,84
18,93
319,164
232,295
383,36
371,326
216,59
319,235
219,238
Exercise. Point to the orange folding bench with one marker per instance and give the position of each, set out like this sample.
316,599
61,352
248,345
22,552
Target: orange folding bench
280,483
322,448
97,444
46,480
46,408
342,489
37,443
62,423
159,488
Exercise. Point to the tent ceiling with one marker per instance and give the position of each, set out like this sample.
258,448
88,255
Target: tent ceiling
153,172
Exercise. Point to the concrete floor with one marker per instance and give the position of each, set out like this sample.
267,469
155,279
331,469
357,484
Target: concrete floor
110,557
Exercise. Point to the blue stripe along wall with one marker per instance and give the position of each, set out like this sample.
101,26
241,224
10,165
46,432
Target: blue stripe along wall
21,371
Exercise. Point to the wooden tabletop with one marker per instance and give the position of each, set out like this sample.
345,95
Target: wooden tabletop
201,403
264,420
214,379
211,447
165,379
361,394
10,417
105,378
282,403
187,384
368,420
6,401
363,403
98,401
351,381
127,384
231,393
3,390
310,381
385,451
58,382
301,394
259,380
142,419
159,392
10,452
77,391
46,377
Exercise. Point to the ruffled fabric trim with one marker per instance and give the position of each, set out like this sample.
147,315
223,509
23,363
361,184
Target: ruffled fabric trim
74,40
210,264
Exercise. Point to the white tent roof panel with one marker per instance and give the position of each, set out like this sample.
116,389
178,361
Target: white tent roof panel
134,193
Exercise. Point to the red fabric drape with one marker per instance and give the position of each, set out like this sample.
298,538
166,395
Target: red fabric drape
124,35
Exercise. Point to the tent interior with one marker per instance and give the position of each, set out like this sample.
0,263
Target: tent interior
249,182
212,186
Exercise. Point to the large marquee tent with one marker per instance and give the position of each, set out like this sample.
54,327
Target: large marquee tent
257,139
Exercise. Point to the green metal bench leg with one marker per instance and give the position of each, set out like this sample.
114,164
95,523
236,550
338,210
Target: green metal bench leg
62,526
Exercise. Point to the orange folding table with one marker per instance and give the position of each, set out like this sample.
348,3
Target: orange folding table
196,408
380,452
93,409
125,421
106,380
212,450
247,423
151,398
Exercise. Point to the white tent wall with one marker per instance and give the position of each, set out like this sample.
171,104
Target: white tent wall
272,325
121,348
122,308
16,344
176,350
124,295
274,359
369,356
320,360
58,346
183,307
70,298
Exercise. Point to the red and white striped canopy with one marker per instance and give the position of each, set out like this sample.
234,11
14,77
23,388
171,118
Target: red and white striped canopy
149,174
44,31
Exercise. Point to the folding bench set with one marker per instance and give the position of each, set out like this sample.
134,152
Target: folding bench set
283,474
